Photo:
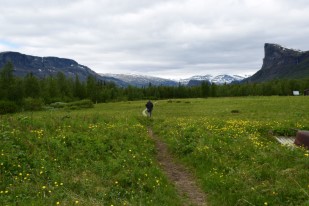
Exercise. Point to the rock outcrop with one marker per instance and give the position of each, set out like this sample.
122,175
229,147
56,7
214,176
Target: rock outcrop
280,62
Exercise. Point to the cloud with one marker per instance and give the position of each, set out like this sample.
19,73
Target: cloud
167,38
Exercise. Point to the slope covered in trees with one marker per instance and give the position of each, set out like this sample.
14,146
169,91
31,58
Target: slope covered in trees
19,91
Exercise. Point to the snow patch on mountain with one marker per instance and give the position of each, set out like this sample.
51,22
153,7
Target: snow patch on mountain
219,79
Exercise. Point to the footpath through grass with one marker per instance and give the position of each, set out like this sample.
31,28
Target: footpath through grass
103,156
229,144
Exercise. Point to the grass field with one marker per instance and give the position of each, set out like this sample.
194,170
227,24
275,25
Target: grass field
104,156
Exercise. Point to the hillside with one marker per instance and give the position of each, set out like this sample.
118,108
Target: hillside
280,62
49,66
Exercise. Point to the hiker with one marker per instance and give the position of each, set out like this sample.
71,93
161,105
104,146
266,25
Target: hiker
149,107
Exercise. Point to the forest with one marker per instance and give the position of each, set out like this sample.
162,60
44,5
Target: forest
31,93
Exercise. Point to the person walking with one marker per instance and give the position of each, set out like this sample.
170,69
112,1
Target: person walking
149,107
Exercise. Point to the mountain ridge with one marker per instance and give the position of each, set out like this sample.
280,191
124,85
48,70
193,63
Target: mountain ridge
49,66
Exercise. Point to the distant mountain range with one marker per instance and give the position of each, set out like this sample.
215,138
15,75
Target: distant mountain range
278,63
49,66
142,80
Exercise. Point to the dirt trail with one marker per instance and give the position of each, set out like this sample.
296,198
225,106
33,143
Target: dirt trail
178,174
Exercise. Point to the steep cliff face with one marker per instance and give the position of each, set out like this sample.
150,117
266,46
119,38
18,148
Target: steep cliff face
276,56
49,66
280,62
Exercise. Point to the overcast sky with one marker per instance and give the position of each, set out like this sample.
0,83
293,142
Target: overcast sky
165,38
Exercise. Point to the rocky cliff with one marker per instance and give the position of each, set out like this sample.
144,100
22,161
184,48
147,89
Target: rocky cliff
49,66
280,62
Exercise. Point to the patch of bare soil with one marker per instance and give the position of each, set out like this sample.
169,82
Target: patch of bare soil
184,182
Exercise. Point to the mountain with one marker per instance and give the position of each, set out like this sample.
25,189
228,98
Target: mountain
142,80
49,66
195,79
219,79
280,62
194,82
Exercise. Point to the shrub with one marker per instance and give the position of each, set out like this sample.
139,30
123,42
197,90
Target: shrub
8,107
31,104
58,104
86,103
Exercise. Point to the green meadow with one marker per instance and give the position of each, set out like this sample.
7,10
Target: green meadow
104,155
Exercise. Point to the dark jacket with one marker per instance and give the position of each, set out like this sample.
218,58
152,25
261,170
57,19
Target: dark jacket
149,106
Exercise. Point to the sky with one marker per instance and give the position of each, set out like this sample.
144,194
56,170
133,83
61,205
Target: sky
165,38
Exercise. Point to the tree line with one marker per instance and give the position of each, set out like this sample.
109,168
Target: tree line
59,88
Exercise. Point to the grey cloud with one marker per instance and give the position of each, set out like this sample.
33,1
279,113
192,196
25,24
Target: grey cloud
164,37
